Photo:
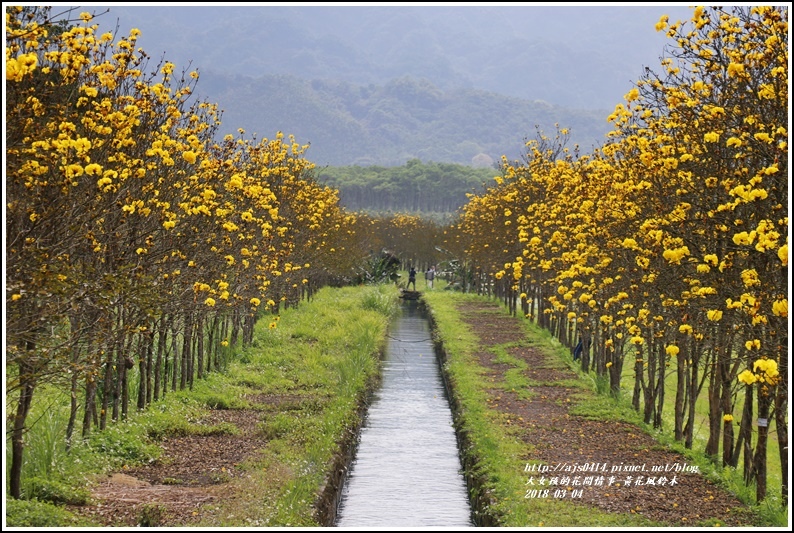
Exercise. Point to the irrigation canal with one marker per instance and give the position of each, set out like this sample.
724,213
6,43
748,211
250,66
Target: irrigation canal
407,470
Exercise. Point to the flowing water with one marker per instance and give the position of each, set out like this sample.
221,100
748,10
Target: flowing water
407,469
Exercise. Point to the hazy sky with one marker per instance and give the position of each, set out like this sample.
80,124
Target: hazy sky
582,57
240,38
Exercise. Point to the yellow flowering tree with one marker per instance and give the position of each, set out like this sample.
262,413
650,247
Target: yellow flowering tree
136,242
765,377
669,243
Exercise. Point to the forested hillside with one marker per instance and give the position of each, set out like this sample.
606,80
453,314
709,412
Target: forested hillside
575,56
407,118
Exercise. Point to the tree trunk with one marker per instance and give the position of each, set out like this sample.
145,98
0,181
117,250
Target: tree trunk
158,362
638,374
186,341
149,366
650,388
727,409
212,343
715,410
781,426
107,384
680,394
744,443
27,384
89,411
200,349
144,369
689,428
175,364
759,461
659,410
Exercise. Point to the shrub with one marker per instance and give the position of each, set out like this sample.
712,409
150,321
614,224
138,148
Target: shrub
34,513
49,490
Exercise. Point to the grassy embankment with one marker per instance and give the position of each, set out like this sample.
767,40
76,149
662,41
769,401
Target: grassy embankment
324,356
325,351
499,454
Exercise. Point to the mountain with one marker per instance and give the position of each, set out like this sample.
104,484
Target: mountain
348,124
340,76
578,56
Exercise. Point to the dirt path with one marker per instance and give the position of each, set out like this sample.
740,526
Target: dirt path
565,442
194,471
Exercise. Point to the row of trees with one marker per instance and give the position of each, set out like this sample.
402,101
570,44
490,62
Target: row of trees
667,248
414,187
136,243
139,248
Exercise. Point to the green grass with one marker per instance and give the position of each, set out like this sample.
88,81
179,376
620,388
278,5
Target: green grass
728,477
322,358
325,354
497,457
494,455
701,434
327,351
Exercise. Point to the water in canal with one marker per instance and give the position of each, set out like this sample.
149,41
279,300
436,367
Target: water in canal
407,469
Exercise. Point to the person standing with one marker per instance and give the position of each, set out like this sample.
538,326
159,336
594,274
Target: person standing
430,275
411,278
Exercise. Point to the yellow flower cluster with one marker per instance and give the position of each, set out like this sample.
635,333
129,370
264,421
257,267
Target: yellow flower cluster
18,67
764,371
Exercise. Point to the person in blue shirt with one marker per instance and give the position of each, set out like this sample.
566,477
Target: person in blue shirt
577,352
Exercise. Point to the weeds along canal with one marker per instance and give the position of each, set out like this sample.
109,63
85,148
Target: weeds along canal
406,470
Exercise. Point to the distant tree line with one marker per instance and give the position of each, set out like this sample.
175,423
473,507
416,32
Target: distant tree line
415,187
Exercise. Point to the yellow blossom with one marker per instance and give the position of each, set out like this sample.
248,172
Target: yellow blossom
767,366
755,343
780,308
747,377
93,169
734,141
744,238
735,69
715,315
